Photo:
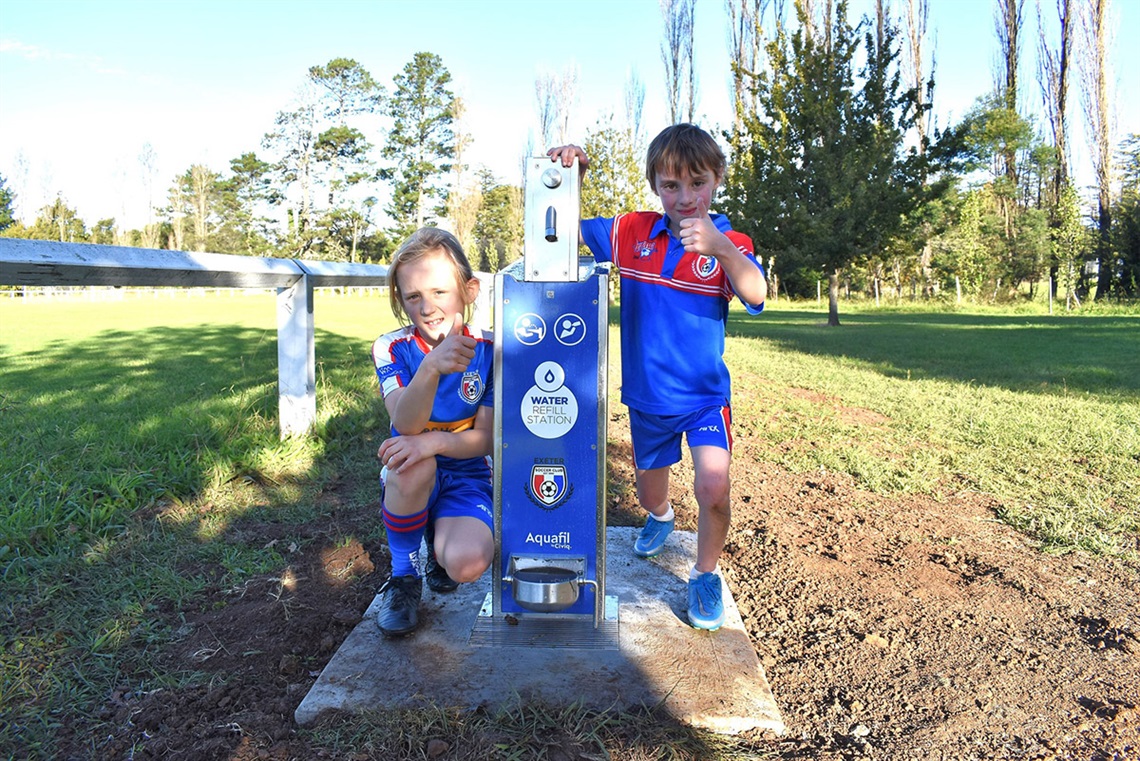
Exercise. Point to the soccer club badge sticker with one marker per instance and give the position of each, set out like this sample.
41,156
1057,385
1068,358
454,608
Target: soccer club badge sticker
549,486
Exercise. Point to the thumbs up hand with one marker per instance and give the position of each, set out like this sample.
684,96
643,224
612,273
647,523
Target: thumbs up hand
698,232
455,351
456,326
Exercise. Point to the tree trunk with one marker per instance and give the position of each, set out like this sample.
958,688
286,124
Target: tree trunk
1098,117
833,299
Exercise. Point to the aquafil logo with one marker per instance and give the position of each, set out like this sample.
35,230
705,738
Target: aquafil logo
559,541
549,485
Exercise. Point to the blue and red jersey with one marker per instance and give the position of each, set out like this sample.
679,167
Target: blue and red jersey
399,354
674,311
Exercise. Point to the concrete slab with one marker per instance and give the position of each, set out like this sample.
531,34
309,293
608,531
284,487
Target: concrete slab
711,680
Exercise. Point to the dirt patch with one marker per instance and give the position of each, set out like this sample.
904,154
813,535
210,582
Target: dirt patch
889,627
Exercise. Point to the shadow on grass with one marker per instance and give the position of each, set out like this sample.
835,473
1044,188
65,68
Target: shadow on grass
1094,355
98,429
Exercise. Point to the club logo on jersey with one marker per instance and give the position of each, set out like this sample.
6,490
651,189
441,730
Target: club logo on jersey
705,267
549,486
643,249
471,387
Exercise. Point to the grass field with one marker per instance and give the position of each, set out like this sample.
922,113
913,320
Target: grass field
109,410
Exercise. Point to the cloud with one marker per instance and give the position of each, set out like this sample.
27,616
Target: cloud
94,63
30,52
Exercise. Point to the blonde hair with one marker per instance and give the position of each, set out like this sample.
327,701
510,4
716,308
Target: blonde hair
419,245
683,147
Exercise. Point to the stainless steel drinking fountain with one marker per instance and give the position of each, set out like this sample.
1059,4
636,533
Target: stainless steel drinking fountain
551,360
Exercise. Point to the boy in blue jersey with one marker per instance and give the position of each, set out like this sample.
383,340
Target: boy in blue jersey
678,272
435,377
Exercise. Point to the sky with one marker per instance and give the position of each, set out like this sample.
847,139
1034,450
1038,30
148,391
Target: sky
87,85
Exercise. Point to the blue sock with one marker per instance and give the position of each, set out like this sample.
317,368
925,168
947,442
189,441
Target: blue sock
404,535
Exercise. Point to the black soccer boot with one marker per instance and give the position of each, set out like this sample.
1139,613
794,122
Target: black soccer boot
399,605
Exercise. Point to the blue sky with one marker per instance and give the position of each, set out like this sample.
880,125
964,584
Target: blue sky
85,84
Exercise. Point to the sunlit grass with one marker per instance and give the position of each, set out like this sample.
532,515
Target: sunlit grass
1042,413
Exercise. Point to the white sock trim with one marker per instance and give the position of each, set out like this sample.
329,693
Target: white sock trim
668,516
694,574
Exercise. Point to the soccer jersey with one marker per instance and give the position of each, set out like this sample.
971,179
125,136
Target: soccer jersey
674,309
399,354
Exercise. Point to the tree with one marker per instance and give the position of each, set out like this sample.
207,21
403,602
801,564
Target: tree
1007,23
421,142
499,225
1053,76
466,196
147,161
992,133
745,43
195,196
555,97
677,56
1070,243
826,181
348,90
57,221
294,140
7,198
616,182
1126,217
245,195
1097,99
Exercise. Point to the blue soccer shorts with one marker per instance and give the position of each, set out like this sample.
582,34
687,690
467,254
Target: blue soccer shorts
657,438
459,494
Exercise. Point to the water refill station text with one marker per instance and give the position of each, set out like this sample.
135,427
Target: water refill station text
551,359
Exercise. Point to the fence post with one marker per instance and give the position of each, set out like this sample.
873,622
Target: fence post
296,358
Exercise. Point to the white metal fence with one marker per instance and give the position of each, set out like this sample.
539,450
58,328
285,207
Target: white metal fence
50,264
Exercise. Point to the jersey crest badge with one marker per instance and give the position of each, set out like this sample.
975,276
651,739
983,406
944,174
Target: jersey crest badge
705,267
471,387
643,249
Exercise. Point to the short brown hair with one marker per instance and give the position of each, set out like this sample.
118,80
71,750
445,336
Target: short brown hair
422,243
683,147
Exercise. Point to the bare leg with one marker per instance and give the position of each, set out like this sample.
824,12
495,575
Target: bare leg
711,485
464,546
653,489
407,492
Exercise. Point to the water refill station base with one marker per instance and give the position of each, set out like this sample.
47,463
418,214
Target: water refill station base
567,615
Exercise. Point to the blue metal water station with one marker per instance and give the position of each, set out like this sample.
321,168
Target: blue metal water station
551,361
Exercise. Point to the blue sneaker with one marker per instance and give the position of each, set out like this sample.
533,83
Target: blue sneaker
652,538
706,611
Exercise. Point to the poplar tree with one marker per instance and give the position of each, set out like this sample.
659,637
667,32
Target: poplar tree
421,143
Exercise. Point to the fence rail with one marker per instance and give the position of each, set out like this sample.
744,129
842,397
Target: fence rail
47,263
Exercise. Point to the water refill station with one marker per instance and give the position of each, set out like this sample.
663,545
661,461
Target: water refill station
551,353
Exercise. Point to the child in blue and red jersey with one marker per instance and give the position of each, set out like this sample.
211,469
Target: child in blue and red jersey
435,377
678,272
